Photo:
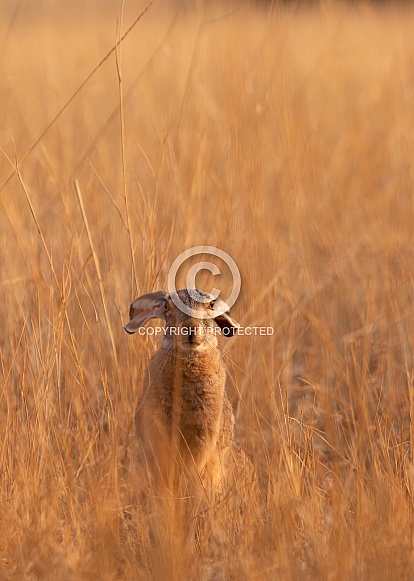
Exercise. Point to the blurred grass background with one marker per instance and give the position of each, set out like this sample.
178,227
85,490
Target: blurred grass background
280,133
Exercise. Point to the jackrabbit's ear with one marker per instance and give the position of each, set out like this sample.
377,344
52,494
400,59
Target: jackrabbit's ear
149,306
227,325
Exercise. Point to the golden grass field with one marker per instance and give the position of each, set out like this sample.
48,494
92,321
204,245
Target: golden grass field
283,136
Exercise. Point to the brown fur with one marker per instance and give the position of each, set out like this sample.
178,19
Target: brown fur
185,420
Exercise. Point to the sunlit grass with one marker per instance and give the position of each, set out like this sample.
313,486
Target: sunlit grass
281,136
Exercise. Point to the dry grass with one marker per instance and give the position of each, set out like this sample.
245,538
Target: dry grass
283,137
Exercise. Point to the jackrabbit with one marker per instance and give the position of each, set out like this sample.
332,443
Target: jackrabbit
185,420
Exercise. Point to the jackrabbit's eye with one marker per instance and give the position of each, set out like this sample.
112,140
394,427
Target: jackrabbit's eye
212,304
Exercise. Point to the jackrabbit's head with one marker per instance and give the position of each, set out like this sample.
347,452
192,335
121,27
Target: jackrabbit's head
192,317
